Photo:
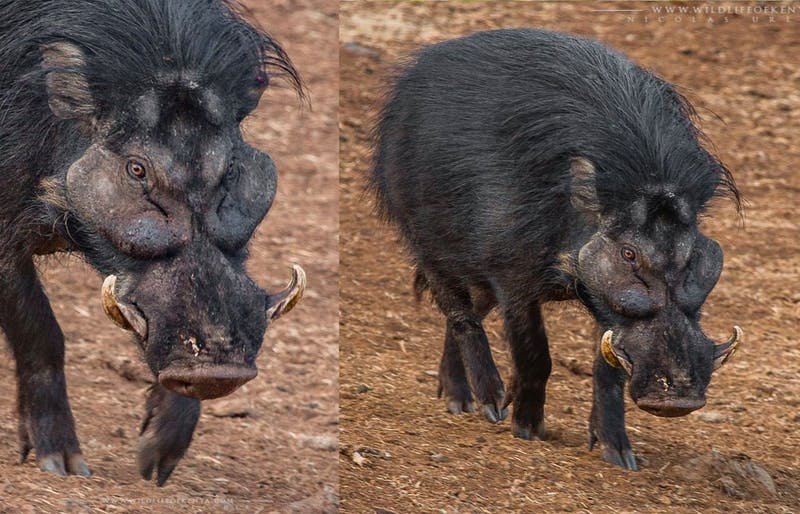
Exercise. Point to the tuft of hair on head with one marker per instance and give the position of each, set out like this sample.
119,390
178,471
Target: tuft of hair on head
567,263
120,49
584,187
275,60
69,96
52,191
726,185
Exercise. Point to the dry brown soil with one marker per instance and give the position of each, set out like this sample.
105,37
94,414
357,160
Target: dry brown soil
400,450
281,456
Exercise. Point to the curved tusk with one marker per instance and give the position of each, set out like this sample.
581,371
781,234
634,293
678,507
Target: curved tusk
124,316
110,305
610,356
724,351
285,300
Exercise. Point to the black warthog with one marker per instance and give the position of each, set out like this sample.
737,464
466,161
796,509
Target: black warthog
525,166
120,140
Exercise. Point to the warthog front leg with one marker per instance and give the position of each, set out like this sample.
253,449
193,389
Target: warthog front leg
46,424
167,428
532,365
607,421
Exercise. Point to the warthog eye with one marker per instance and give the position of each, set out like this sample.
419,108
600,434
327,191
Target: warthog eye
628,254
135,169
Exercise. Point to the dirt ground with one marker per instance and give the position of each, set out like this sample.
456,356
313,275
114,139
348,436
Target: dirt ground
279,453
400,450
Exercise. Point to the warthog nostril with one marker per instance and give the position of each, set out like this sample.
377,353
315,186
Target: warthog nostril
207,382
195,345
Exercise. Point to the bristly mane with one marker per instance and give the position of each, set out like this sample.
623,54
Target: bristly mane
591,102
128,45
637,128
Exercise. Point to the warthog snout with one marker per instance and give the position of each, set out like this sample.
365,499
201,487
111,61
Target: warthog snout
206,383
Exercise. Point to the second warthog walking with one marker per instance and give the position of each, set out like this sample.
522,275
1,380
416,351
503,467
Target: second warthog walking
526,166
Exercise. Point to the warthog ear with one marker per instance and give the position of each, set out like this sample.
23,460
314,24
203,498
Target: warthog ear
701,275
584,189
68,91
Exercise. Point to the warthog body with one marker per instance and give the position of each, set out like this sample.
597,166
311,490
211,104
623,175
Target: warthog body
526,166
